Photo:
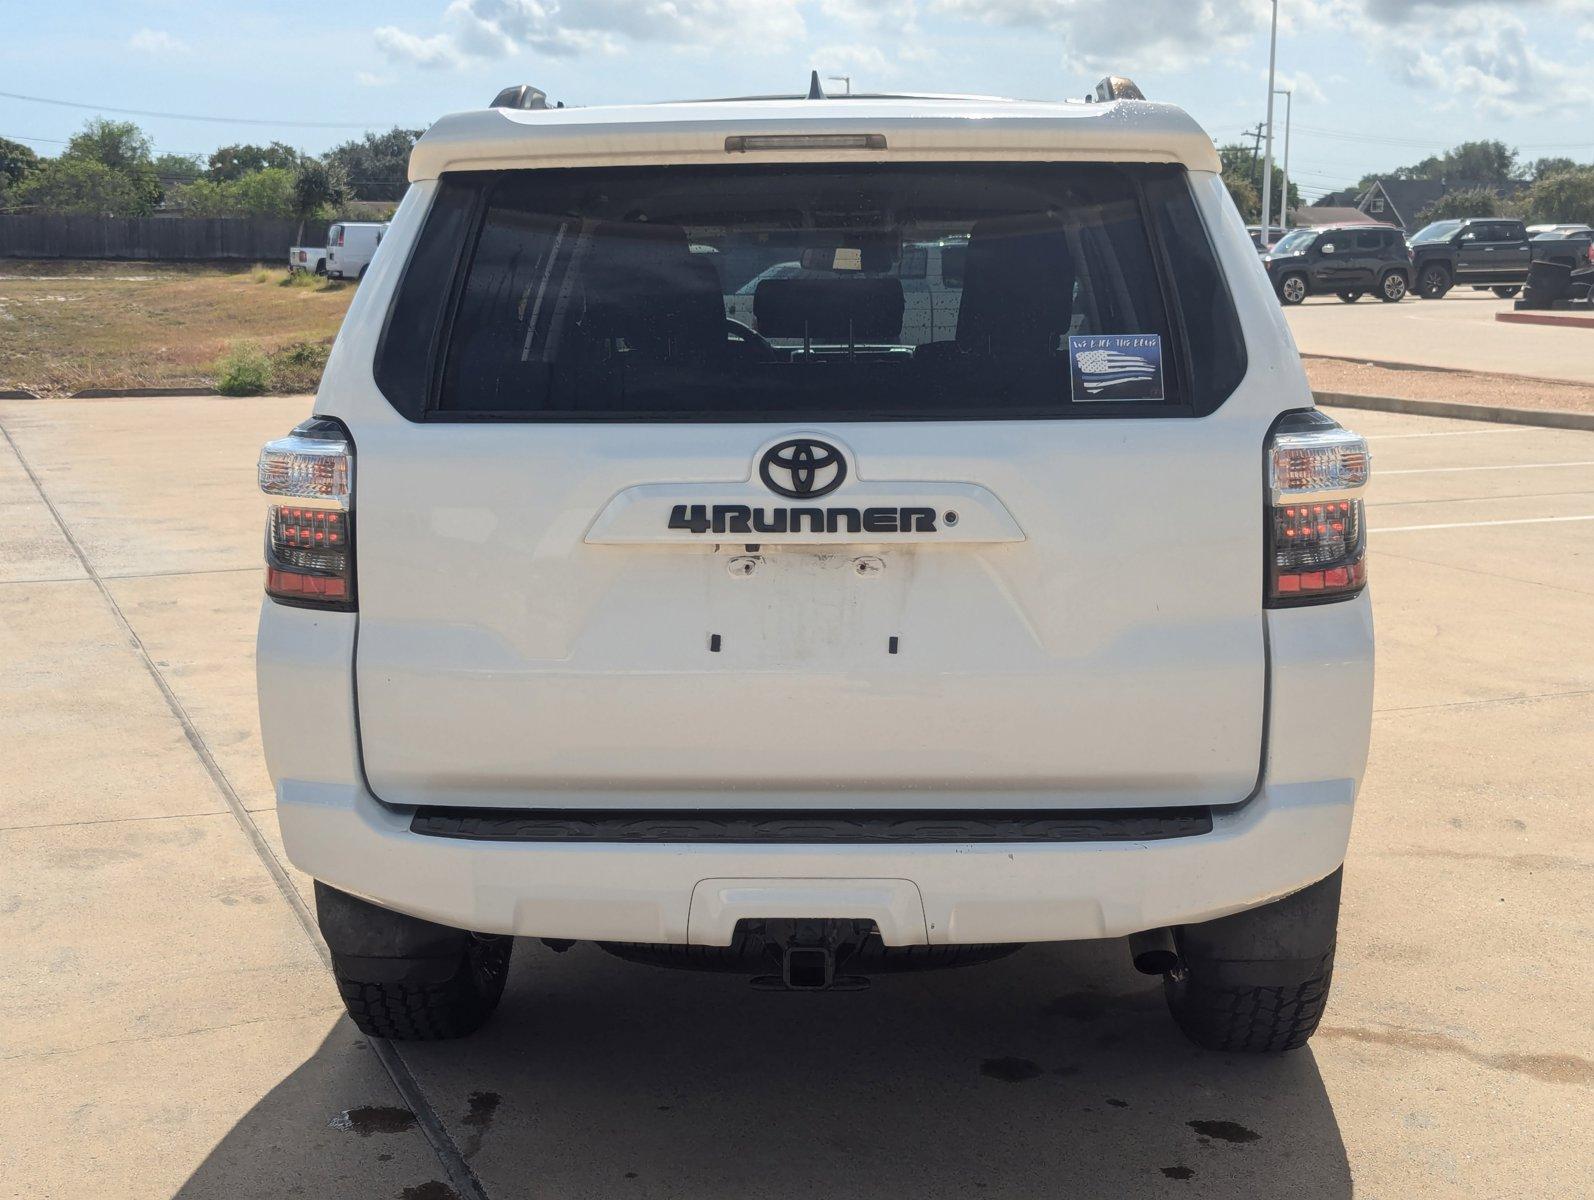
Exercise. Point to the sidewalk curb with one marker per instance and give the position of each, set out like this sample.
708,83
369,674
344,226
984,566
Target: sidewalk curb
1462,412
131,393
17,395
1564,320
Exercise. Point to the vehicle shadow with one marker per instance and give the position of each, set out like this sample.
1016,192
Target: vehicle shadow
1056,1072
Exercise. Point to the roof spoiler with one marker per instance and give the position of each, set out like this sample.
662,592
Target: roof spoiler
1117,87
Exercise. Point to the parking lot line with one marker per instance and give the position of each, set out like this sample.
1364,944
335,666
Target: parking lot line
1586,462
1457,432
1471,524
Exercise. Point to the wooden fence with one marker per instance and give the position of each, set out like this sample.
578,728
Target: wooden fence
255,239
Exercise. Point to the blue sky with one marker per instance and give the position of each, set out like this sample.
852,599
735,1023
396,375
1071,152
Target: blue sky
1377,83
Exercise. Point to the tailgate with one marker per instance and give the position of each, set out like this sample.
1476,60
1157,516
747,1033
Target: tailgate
534,633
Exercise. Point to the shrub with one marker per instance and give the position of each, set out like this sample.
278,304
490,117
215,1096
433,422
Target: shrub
297,367
261,274
243,371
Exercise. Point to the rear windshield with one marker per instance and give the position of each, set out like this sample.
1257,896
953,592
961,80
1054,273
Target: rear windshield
838,292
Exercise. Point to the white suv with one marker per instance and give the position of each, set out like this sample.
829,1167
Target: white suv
815,642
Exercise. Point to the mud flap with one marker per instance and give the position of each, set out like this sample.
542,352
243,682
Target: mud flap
383,946
1271,946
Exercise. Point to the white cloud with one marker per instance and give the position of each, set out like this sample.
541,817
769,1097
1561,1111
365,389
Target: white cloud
1303,85
402,46
157,41
1487,60
1131,36
367,79
490,29
851,59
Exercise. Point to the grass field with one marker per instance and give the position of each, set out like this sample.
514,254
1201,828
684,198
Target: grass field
66,326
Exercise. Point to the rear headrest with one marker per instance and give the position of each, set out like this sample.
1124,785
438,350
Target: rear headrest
1018,285
828,308
643,283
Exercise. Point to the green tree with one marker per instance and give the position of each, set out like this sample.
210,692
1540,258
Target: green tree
268,193
319,187
17,162
1562,198
172,169
234,162
1464,202
1243,177
377,165
1543,168
1481,162
120,146
83,186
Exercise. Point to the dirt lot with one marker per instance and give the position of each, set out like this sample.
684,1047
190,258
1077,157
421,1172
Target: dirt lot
66,326
167,1026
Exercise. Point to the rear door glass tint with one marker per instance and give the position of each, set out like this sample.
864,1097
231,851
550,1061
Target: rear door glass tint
824,292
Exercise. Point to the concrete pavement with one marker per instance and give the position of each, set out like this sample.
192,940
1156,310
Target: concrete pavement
173,1029
1458,332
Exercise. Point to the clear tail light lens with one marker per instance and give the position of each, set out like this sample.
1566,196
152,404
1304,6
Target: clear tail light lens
310,537
1316,524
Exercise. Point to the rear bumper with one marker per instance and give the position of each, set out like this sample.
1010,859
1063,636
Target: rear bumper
1281,840
1292,831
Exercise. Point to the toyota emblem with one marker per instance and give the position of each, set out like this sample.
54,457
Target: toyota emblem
802,469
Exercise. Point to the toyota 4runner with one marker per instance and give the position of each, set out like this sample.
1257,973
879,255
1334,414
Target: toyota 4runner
812,642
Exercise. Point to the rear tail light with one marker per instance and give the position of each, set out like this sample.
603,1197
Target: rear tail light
310,536
1316,526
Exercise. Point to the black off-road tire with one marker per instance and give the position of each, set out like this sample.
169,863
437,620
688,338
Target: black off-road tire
441,1004
1350,297
1257,982
1392,287
1434,282
1249,1020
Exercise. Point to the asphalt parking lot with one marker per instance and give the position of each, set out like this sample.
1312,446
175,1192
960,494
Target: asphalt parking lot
1458,332
169,1028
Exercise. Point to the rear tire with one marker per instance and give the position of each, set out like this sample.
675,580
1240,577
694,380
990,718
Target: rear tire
1505,293
1392,288
1293,288
1257,982
1350,297
1434,282
1249,1020
425,1010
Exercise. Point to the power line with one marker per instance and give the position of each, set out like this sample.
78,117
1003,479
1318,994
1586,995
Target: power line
171,116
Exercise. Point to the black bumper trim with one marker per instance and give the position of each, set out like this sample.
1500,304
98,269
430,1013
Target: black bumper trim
873,826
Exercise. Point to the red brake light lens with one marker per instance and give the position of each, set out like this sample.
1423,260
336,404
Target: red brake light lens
310,541
1316,525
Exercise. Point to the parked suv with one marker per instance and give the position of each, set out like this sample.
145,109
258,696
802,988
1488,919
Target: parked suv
1348,261
1490,252
826,643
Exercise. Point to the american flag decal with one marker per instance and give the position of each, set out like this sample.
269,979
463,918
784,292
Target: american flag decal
1117,367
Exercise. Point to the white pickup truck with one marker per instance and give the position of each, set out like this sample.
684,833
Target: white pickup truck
310,260
832,641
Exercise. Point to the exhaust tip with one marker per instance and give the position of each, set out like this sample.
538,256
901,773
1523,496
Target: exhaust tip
1153,952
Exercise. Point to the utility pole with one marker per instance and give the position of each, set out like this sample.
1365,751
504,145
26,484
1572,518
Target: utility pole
1267,162
1284,200
1256,150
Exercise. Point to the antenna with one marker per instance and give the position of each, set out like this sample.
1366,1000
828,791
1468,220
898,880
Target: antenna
815,92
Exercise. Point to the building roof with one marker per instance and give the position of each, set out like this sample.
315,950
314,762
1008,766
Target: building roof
914,128
1318,215
1405,198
